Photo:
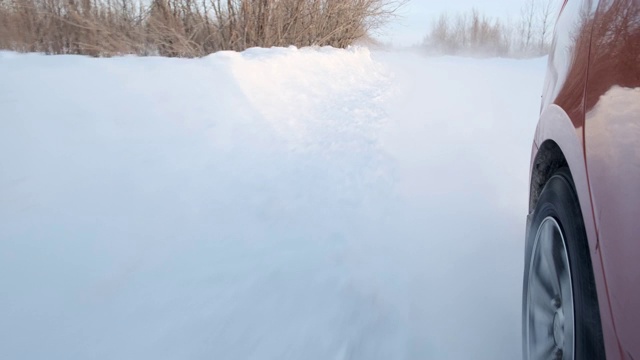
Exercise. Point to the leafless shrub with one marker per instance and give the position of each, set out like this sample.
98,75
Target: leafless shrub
473,33
467,34
184,28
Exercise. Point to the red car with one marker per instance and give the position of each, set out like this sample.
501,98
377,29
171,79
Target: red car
581,297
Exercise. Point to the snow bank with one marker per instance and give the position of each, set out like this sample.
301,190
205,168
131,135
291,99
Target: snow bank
270,204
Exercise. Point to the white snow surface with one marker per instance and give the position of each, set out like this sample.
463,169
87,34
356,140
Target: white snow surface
271,204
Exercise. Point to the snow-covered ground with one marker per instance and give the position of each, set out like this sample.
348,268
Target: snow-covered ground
273,204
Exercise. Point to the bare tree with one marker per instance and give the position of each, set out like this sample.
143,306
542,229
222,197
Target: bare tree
545,23
527,24
440,33
474,33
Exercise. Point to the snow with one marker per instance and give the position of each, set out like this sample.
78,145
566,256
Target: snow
271,204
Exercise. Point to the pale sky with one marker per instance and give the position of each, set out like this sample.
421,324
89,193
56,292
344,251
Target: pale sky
413,24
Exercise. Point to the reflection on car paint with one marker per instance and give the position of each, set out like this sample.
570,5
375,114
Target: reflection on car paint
612,137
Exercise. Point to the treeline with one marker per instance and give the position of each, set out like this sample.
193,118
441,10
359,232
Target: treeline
184,28
475,34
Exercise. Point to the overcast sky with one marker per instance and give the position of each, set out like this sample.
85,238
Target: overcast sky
416,17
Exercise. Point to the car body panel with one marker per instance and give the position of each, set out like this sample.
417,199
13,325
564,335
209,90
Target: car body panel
591,111
562,115
568,61
612,140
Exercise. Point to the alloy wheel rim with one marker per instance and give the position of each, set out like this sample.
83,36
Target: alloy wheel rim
549,303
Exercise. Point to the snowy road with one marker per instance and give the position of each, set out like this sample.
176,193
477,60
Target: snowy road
275,204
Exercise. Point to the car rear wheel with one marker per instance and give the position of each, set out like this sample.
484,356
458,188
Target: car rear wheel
560,308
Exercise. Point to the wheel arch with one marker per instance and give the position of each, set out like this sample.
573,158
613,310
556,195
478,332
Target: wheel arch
559,143
549,158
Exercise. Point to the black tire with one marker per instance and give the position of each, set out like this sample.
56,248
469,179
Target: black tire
559,202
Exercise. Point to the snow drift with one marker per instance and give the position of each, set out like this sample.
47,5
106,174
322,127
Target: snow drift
270,204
